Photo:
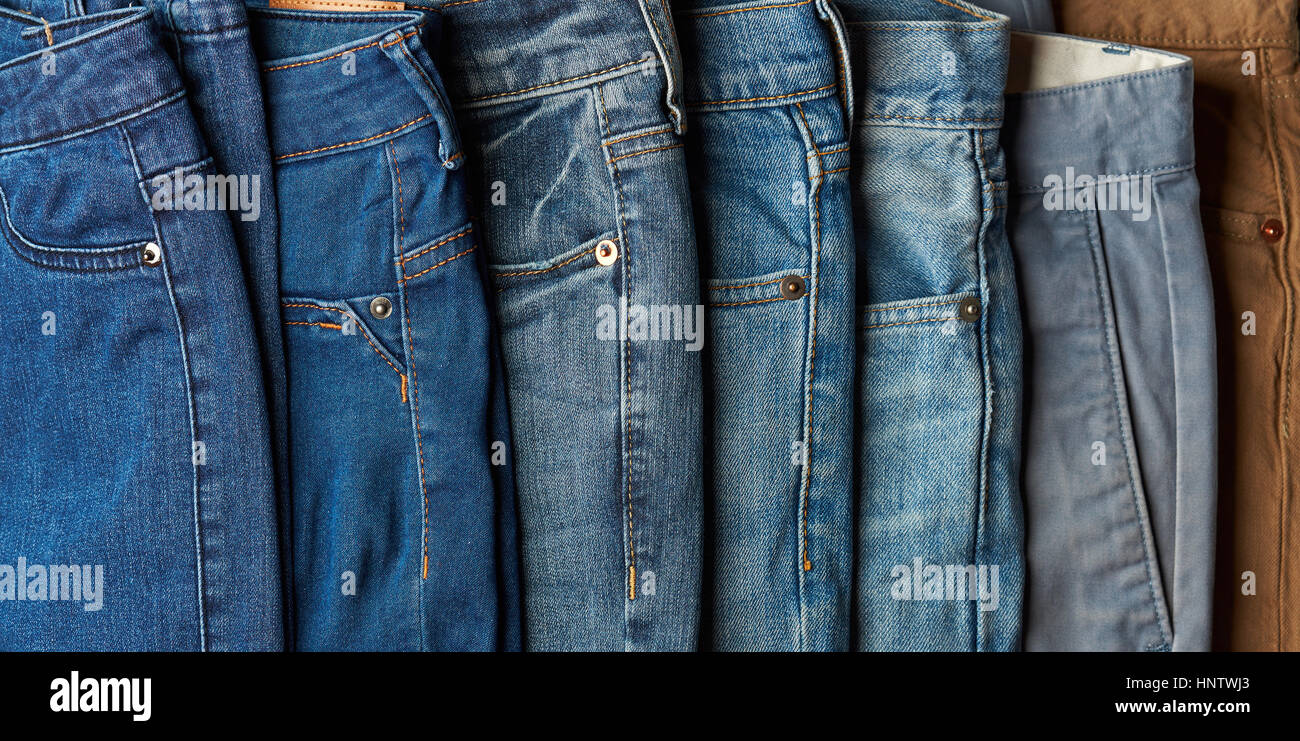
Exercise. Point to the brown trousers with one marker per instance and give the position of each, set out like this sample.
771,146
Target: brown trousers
1247,121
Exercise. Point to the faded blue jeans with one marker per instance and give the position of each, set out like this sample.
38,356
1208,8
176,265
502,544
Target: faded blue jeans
403,497
940,535
767,94
571,118
138,485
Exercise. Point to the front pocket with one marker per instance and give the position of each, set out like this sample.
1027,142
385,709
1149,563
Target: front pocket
603,252
332,330
82,259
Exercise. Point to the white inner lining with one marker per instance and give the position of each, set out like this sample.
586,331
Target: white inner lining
1043,61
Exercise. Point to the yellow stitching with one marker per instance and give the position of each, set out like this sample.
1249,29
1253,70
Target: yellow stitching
644,151
964,10
323,325
358,141
768,97
901,324
553,84
364,334
751,285
914,306
825,152
49,36
760,301
461,2
467,230
335,56
746,10
313,4
831,172
638,136
444,262
546,270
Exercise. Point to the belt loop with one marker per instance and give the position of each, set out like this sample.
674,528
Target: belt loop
406,51
827,11
659,19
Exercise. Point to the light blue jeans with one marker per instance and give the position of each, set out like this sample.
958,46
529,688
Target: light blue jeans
767,95
940,534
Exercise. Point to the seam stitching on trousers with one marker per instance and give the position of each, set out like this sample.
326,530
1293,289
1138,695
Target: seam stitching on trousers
364,333
356,141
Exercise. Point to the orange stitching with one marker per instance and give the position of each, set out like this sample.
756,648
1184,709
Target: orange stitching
553,84
914,306
461,2
338,5
926,118
644,151
638,136
964,10
830,151
760,301
453,238
831,172
324,325
364,334
901,324
768,97
358,141
751,285
546,270
454,157
746,10
444,262
342,53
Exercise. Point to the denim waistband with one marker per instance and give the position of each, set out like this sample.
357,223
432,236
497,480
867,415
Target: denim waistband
1134,124
936,64
505,50
84,80
344,96
759,53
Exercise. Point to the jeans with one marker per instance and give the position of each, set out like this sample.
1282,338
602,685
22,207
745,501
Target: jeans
1119,446
571,118
767,95
940,536
403,501
139,488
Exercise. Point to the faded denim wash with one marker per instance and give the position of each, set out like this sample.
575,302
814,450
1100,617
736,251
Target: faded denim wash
131,397
767,96
940,533
403,498
1121,437
571,118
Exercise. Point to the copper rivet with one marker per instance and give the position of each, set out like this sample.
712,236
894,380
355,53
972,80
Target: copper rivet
1272,230
152,255
969,310
793,287
606,252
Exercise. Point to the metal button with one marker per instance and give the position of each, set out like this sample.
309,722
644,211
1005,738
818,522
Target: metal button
969,310
1272,230
381,308
793,287
606,252
151,255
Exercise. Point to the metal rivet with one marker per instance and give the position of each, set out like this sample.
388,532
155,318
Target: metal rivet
969,310
381,308
1272,230
793,287
151,255
606,252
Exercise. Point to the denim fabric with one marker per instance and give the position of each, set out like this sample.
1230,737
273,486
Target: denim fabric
1025,15
940,533
1120,439
570,114
767,97
133,409
403,502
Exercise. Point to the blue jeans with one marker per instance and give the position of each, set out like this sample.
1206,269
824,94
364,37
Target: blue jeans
571,118
767,95
403,498
940,535
139,487
1120,439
